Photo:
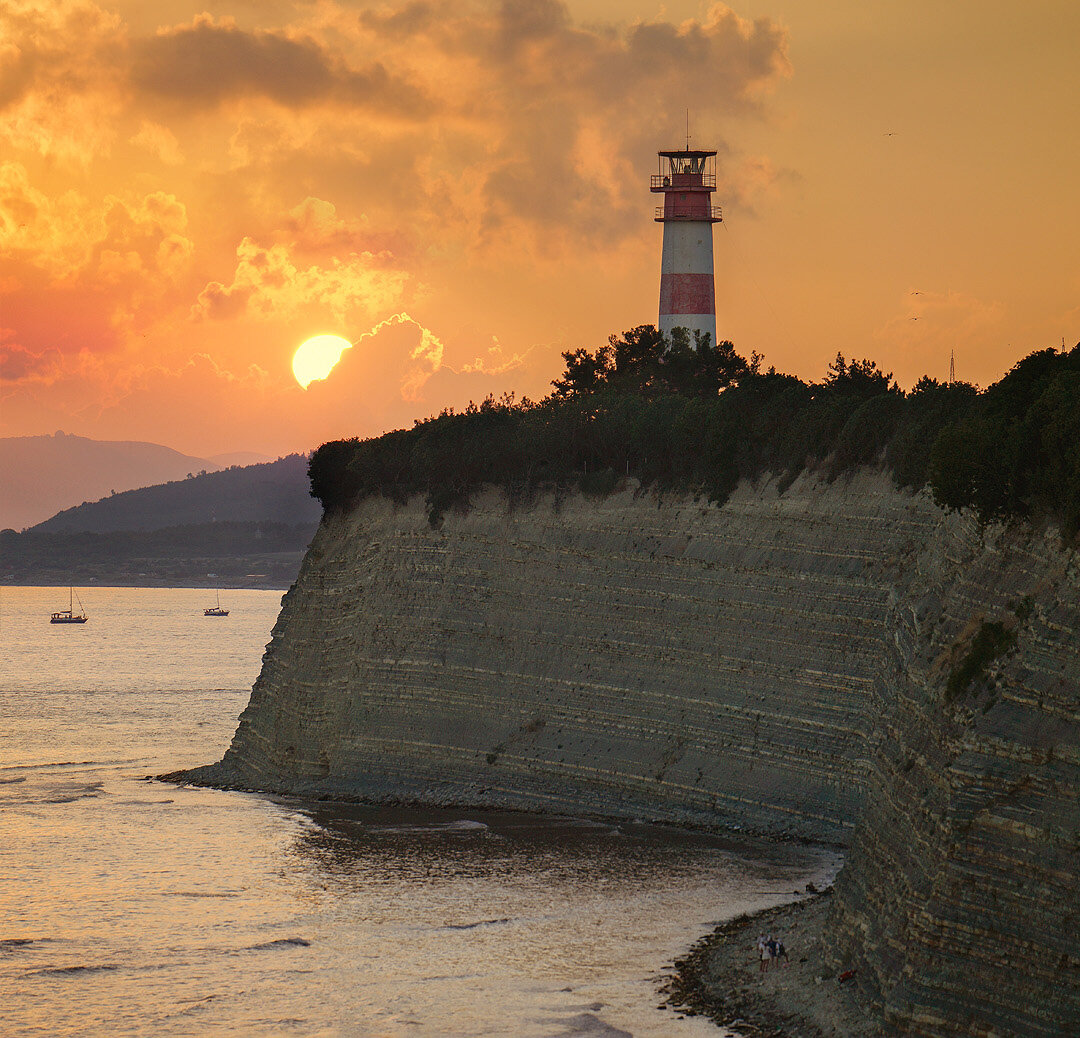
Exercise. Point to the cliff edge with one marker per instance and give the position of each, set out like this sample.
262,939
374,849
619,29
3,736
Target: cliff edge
841,662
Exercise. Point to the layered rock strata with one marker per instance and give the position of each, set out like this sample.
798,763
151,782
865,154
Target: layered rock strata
629,656
778,663
960,901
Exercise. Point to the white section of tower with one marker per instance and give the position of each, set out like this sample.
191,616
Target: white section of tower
692,323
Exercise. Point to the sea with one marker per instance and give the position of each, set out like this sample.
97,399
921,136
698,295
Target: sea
129,906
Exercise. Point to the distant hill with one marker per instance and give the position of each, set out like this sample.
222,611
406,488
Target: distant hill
224,555
246,526
274,492
42,474
224,461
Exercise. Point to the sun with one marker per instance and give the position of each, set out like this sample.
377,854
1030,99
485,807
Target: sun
315,359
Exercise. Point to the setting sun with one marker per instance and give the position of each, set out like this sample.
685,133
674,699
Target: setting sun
316,358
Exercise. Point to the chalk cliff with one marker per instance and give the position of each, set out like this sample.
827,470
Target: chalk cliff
778,663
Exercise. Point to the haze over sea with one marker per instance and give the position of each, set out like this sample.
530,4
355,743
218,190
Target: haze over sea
132,907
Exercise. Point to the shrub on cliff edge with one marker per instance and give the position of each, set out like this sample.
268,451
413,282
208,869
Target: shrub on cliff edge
700,419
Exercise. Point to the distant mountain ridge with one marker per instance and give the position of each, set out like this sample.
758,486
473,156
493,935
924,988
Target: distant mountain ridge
42,474
275,492
226,461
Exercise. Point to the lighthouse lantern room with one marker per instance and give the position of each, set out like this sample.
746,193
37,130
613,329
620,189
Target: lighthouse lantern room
687,180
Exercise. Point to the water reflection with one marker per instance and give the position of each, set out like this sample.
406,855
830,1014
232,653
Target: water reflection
131,908
358,843
499,923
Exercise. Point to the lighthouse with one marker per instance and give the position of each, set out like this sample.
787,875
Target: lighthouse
687,180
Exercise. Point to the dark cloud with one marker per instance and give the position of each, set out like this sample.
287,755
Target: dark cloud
18,67
219,302
525,21
56,46
409,20
18,363
569,109
207,63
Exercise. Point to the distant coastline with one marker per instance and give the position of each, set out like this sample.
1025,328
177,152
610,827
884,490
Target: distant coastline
239,555
207,584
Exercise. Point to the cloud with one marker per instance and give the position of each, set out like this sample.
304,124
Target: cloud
18,364
87,273
546,126
413,358
63,235
314,225
55,233
61,67
272,182
494,361
418,363
160,141
394,372
268,282
208,62
559,122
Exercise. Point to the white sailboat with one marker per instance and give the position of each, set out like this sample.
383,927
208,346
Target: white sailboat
216,610
69,616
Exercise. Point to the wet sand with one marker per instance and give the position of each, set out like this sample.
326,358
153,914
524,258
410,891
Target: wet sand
720,978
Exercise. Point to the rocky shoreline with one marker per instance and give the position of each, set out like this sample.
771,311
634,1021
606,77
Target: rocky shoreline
720,978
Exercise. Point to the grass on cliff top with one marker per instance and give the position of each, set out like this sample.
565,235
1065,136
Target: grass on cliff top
700,417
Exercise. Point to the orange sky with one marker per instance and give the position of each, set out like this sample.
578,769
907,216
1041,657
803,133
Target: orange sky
187,192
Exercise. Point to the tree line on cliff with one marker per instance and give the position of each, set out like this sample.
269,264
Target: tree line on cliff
698,417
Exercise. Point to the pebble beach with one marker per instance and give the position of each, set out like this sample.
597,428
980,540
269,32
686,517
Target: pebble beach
721,979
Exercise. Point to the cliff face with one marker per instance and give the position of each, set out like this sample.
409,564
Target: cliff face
626,656
960,900
778,663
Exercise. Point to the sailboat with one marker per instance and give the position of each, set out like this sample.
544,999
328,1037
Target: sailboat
216,610
69,616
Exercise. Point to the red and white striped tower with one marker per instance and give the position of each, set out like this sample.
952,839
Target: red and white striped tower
687,293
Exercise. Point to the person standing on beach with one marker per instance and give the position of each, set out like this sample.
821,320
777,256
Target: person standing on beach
763,953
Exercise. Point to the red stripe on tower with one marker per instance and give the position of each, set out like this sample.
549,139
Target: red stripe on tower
687,180
687,294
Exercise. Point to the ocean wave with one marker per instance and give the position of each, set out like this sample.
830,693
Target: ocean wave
201,893
191,1006
473,926
281,942
46,765
68,794
72,971
465,825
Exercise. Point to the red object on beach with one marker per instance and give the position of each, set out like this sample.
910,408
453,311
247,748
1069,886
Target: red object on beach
846,975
